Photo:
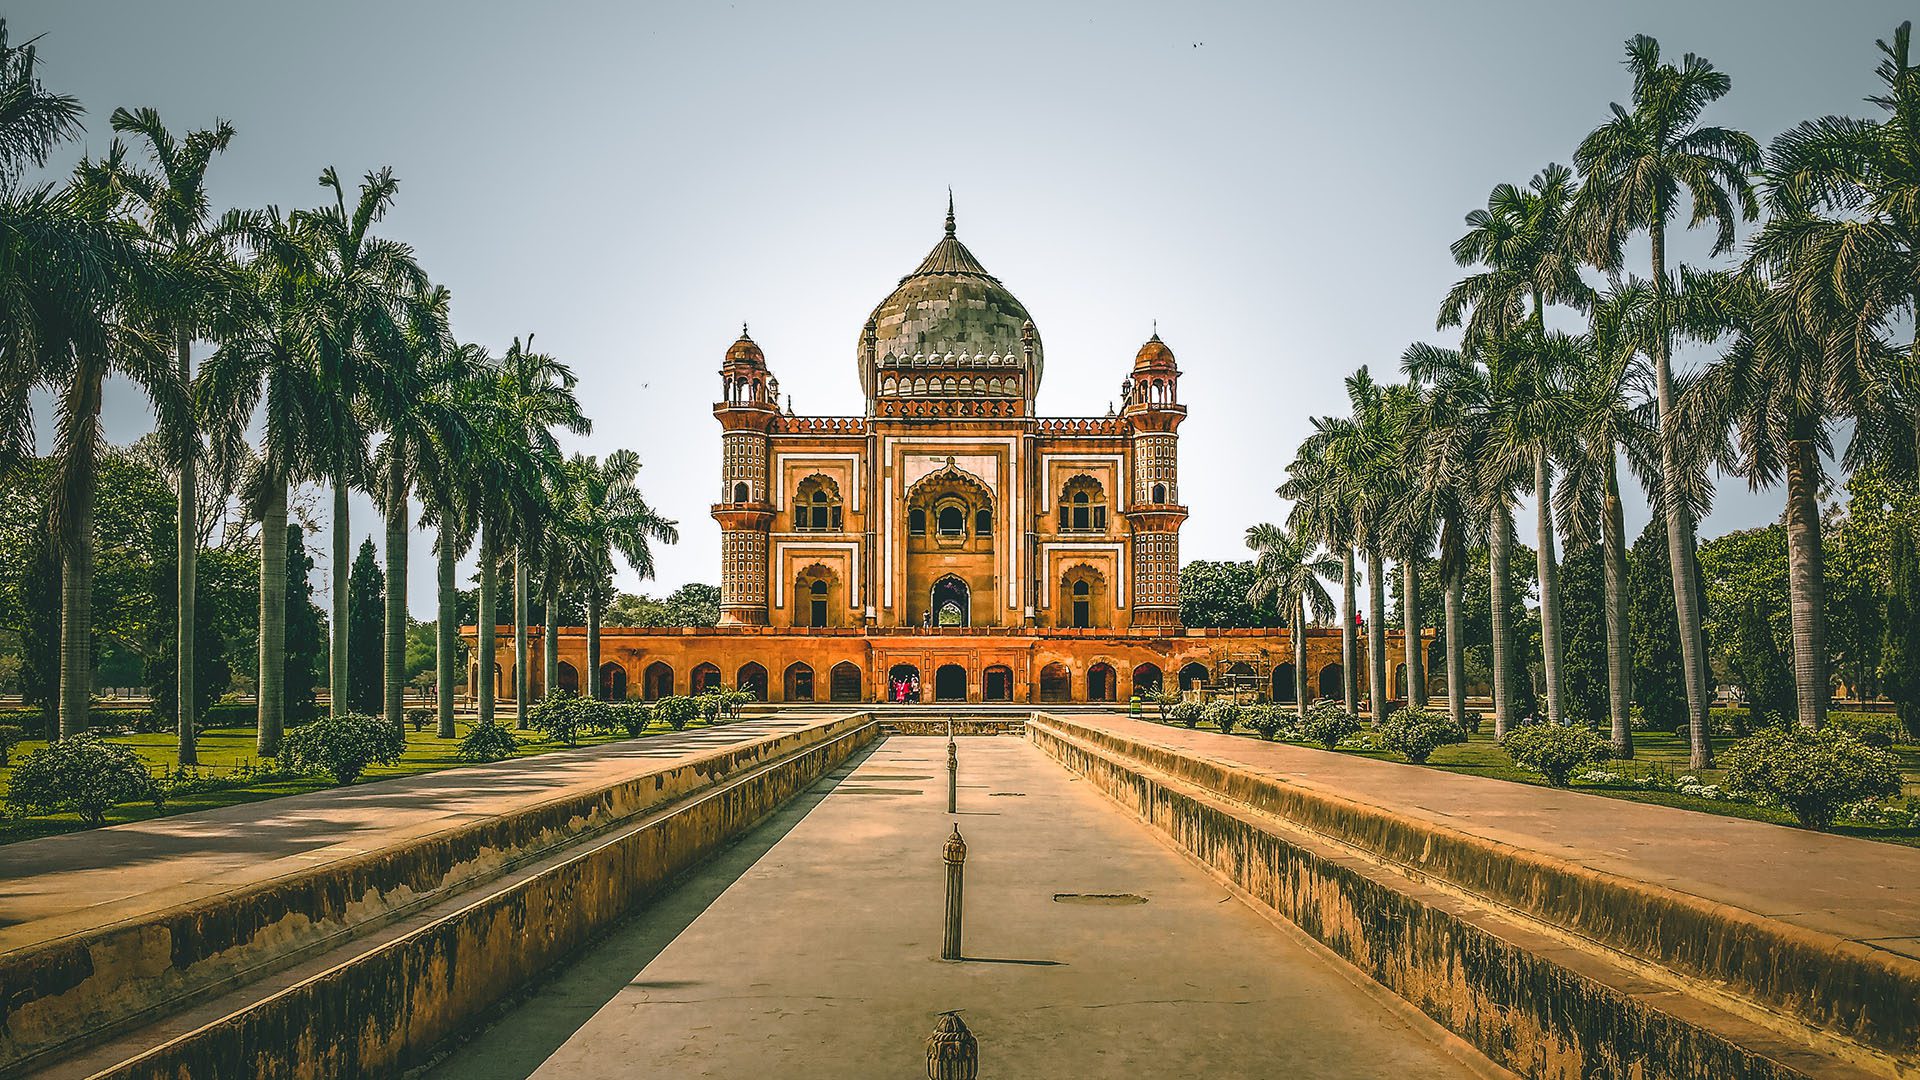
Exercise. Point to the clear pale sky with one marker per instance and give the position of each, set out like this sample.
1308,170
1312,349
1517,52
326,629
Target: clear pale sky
1276,184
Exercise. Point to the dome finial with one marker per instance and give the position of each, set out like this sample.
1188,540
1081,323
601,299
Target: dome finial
949,209
743,328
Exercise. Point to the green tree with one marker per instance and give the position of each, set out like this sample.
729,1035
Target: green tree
607,516
1745,574
1288,571
366,634
1214,594
1659,675
1900,649
304,652
1633,169
1585,667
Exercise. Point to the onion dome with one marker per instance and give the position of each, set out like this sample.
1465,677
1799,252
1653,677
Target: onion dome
949,308
745,352
1154,356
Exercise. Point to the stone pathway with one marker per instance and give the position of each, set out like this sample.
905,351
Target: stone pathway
1860,889
58,885
811,950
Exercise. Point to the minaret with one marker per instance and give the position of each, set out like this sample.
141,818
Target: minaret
746,410
1154,513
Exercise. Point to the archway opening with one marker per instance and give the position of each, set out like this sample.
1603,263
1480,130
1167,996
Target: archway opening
1193,676
798,682
951,605
613,682
569,678
659,681
704,678
950,683
843,682
753,679
1056,683
1400,682
996,683
1146,679
1332,681
903,683
1100,682
1284,690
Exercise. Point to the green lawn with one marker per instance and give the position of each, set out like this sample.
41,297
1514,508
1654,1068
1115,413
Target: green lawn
230,750
1480,755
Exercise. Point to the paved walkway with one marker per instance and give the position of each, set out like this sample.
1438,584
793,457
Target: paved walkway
58,885
811,950
1861,889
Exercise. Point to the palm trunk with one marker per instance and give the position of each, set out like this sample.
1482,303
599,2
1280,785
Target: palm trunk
337,704
1377,635
1300,657
1349,651
396,551
522,685
1806,589
187,557
485,633
550,634
271,679
1680,539
593,642
76,555
1499,570
1456,656
446,633
1410,631
1549,570
1613,542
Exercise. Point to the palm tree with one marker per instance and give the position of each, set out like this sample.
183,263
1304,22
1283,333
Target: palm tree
268,351
362,286
607,516
1445,433
1289,569
448,445
1633,169
1844,236
1321,511
1775,394
1363,458
420,358
181,232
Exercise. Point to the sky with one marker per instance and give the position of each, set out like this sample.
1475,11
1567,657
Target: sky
1275,184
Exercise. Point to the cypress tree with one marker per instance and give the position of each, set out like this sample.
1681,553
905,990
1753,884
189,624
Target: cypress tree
1900,643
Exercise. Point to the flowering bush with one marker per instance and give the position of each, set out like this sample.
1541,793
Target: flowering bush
1554,750
677,711
488,742
1222,714
558,717
1163,703
342,746
1186,712
1417,732
82,773
1265,720
1811,773
632,716
1329,723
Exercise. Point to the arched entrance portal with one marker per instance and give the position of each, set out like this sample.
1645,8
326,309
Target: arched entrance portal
951,602
1332,681
613,682
752,679
569,678
950,683
843,682
1284,689
997,683
659,680
903,683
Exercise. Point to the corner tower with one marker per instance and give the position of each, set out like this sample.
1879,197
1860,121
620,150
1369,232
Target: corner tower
1154,513
746,411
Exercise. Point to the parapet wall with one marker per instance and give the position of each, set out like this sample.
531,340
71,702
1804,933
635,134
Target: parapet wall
71,993
1550,968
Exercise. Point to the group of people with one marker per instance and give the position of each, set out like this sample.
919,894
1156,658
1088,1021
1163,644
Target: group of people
904,689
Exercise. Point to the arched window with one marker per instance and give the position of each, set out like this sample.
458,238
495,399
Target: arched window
917,521
817,603
1159,493
816,505
983,522
1083,506
1082,604
1082,600
953,520
742,493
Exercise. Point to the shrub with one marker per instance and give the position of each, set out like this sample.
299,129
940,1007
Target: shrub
1555,750
558,717
632,716
600,717
1471,719
1186,712
82,773
1811,773
1417,732
710,705
1877,730
488,742
1163,703
1223,715
1265,720
10,737
676,711
1329,723
342,746
420,718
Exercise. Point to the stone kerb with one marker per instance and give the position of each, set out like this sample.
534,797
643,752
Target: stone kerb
1860,1004
73,991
